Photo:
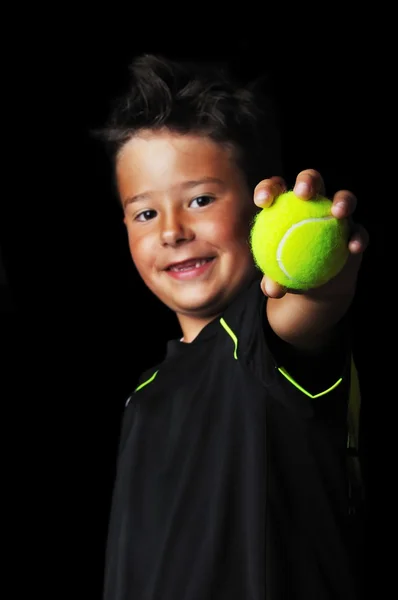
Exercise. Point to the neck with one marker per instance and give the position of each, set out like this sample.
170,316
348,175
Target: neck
191,326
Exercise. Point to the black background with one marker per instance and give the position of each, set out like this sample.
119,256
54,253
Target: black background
76,320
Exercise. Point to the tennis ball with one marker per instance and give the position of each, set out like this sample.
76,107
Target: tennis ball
298,243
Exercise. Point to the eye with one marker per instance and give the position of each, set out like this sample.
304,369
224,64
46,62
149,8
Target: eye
145,215
202,201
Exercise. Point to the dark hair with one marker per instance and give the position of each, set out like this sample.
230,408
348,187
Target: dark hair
198,98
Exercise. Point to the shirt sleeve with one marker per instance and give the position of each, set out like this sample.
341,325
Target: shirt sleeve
264,351
313,371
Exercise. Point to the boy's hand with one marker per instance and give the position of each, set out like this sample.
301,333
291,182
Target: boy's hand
309,184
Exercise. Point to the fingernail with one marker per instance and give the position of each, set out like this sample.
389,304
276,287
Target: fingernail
302,189
355,245
262,196
340,208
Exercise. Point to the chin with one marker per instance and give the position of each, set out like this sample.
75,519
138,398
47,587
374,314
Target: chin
205,307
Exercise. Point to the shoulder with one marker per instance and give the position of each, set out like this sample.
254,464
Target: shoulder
146,377
246,321
129,412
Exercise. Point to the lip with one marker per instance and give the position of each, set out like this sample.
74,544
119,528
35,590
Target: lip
191,272
181,263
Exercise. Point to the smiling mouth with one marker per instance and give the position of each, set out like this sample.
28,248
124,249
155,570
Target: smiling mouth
189,265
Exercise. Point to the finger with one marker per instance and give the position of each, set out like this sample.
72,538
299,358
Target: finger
267,190
359,240
309,184
344,204
272,289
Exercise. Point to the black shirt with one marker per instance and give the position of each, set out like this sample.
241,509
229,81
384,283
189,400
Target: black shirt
231,481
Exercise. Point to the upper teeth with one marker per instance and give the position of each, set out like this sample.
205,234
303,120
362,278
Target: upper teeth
198,264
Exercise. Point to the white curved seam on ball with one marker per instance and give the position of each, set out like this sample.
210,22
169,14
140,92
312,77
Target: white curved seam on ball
284,240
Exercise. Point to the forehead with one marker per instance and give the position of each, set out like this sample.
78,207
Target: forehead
163,155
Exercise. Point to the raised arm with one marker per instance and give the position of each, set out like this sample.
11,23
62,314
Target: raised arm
307,320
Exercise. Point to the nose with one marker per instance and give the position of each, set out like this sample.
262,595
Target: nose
174,229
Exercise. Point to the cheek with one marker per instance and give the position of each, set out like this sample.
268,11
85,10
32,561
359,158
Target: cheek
140,249
232,229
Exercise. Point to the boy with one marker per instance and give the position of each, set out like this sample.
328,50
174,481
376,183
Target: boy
232,477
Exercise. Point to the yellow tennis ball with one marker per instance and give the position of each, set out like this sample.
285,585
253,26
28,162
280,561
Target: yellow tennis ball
299,243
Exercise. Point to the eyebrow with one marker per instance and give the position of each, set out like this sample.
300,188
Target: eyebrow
186,185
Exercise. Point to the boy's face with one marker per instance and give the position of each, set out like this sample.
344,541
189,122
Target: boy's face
187,211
